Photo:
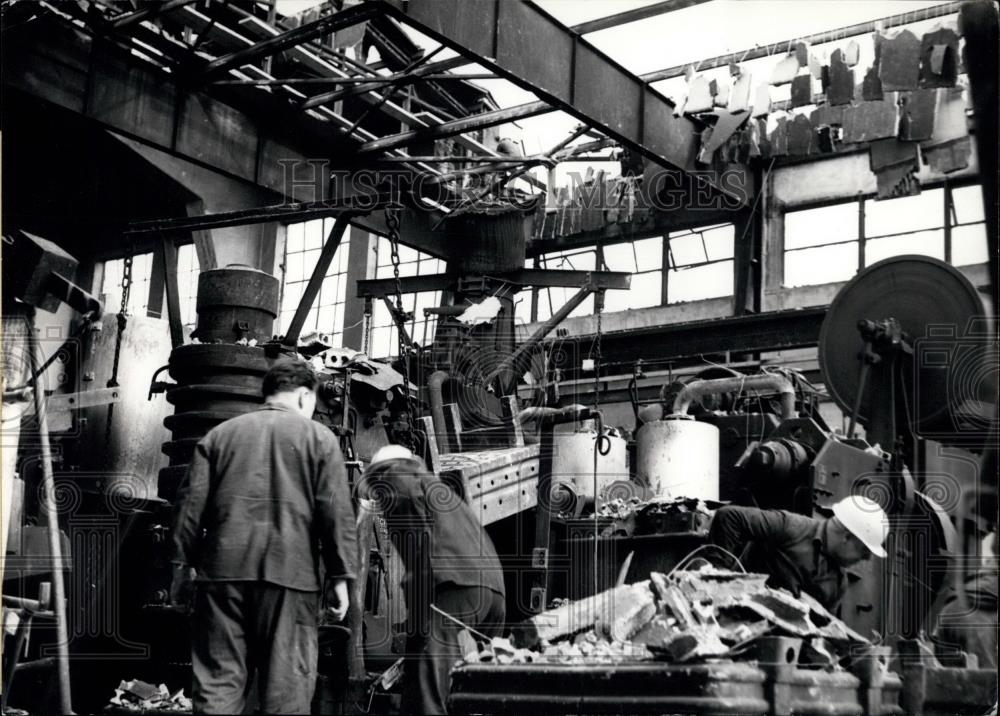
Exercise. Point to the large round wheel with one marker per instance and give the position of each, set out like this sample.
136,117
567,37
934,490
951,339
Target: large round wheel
952,374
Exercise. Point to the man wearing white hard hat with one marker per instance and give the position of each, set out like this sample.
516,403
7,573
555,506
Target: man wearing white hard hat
800,553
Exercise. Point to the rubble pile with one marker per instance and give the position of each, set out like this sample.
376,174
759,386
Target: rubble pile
679,617
138,695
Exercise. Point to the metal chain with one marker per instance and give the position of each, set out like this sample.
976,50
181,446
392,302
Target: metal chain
366,331
392,223
126,286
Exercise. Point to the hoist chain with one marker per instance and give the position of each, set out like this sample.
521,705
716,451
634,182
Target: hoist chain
597,352
392,223
366,330
126,287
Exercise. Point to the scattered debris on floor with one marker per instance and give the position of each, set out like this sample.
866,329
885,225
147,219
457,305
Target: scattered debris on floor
138,695
684,616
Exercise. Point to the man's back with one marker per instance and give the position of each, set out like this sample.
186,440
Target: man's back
263,486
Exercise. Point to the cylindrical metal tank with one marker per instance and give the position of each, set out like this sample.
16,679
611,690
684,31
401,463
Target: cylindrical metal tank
573,463
218,379
236,303
679,457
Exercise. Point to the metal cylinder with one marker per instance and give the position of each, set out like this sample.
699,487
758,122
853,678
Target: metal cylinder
573,462
214,382
236,303
679,457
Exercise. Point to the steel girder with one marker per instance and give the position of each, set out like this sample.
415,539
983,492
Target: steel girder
524,44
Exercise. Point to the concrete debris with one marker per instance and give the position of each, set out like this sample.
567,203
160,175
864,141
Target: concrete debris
569,618
140,696
778,607
816,652
708,613
621,619
697,643
717,584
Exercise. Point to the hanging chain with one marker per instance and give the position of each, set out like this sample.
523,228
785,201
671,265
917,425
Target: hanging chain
126,287
366,330
599,305
392,222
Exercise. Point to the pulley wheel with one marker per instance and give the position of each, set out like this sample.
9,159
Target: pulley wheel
953,364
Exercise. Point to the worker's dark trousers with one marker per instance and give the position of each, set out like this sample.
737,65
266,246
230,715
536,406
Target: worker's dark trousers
239,628
429,659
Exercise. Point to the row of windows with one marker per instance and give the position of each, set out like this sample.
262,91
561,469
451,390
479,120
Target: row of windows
699,265
821,245
832,243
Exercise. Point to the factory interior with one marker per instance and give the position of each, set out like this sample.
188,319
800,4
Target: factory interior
633,287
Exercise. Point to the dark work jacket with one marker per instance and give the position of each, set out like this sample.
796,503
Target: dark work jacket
264,492
436,532
789,547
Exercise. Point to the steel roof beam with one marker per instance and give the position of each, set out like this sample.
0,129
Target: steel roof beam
529,47
291,38
458,126
639,13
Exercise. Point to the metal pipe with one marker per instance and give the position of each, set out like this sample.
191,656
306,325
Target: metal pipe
55,542
764,381
435,394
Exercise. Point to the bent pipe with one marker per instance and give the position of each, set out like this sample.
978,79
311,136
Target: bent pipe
435,395
761,382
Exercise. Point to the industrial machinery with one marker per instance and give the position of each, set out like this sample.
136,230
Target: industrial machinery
760,440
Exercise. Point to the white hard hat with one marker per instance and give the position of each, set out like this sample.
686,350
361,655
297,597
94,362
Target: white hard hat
865,519
391,452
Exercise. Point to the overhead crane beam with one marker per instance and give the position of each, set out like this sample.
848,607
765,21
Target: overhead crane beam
639,13
529,47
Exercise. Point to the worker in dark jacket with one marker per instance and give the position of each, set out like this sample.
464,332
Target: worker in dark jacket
803,554
450,563
265,495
